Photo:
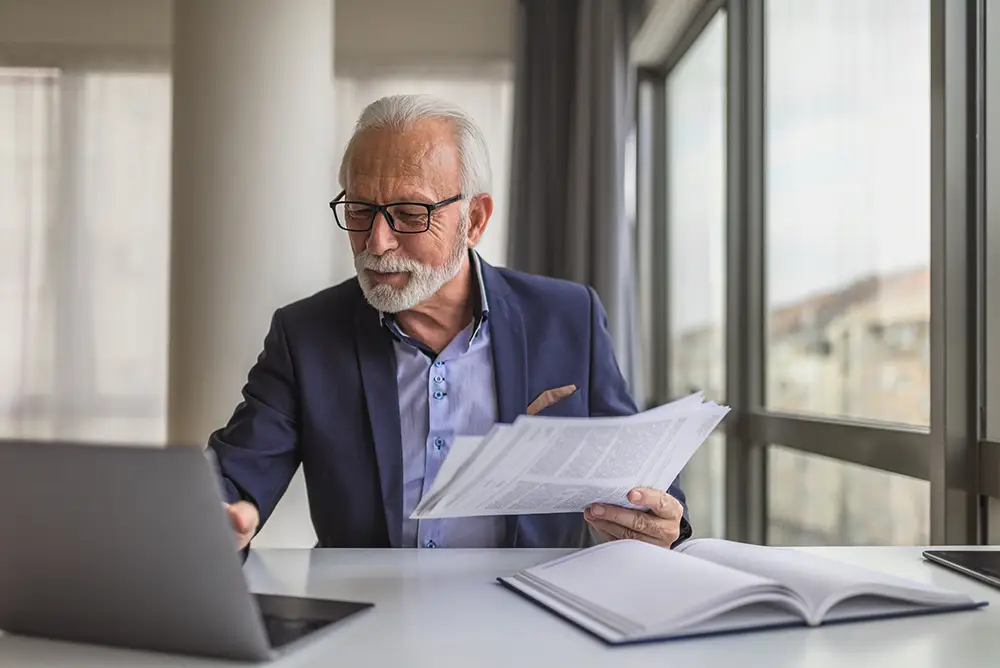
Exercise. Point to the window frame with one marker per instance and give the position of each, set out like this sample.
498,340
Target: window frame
952,454
989,259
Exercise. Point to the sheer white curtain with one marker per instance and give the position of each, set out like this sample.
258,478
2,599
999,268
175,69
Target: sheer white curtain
84,242
485,93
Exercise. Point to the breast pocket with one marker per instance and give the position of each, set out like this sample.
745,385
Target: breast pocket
563,401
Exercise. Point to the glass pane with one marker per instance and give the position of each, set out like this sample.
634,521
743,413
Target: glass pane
990,295
696,172
815,500
704,485
848,208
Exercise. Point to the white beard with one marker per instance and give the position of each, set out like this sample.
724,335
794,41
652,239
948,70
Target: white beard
423,283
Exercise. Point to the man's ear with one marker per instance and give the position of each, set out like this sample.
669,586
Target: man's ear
480,210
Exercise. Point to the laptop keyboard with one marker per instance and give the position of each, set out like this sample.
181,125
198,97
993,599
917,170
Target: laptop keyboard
289,618
281,630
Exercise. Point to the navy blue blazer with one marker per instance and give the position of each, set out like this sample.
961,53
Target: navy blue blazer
323,394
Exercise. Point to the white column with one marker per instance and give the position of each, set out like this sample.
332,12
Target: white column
253,171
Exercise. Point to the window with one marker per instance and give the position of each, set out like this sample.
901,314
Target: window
814,500
847,208
84,253
853,198
487,96
696,201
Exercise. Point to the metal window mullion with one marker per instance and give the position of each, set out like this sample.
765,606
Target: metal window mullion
692,31
953,456
660,233
892,448
977,375
745,459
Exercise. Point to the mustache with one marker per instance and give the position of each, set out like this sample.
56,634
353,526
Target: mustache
386,264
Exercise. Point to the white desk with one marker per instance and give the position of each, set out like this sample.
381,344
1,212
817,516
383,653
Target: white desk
439,608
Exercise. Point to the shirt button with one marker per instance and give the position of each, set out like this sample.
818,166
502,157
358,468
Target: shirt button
429,543
439,395
438,379
438,443
439,363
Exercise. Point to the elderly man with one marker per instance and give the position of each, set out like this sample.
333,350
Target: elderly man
367,383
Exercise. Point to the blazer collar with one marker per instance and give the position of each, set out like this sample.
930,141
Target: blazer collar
509,346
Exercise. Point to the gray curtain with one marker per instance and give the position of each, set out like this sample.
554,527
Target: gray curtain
574,91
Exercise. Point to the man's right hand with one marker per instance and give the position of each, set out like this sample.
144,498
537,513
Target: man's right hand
244,518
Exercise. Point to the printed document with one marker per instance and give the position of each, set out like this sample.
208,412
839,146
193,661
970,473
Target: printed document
543,464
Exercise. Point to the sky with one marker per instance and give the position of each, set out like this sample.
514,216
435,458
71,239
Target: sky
847,150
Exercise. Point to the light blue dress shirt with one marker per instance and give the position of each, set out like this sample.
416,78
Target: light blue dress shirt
442,396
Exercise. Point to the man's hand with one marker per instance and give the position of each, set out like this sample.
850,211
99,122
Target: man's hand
244,518
660,526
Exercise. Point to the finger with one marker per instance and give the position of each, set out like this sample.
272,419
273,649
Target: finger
619,532
663,531
235,519
636,520
243,516
659,502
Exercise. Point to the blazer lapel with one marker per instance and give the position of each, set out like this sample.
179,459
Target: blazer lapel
377,360
509,346
510,361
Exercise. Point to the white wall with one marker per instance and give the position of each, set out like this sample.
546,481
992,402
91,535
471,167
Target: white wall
101,23
375,32
367,32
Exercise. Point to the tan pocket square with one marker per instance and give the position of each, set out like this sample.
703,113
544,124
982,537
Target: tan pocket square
549,397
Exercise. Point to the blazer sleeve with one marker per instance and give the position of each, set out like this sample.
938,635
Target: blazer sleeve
609,393
257,451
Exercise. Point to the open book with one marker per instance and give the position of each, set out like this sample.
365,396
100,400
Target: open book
630,591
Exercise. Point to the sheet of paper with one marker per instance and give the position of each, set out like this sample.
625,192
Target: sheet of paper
553,465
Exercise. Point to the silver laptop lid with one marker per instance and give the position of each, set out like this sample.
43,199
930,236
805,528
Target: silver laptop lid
125,546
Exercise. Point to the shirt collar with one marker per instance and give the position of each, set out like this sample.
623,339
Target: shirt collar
481,309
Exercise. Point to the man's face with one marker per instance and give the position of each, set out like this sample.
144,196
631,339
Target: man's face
398,271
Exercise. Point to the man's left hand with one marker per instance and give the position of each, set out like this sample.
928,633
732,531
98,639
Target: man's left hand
661,525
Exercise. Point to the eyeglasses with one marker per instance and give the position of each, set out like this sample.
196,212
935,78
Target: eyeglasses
403,217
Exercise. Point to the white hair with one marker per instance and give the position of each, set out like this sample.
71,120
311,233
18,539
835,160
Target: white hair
399,112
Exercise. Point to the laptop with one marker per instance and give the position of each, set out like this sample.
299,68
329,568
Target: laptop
983,565
131,547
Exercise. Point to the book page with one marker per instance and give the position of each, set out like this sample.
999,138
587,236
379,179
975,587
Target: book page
820,581
552,465
640,589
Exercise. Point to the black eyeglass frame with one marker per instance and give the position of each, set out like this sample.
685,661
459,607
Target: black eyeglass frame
384,210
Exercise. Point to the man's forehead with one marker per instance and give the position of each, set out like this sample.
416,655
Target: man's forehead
412,146
419,155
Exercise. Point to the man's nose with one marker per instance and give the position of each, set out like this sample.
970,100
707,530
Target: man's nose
381,238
